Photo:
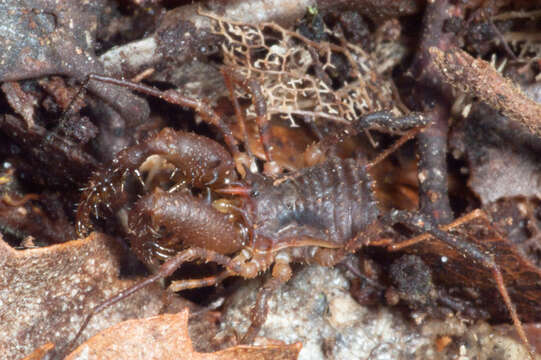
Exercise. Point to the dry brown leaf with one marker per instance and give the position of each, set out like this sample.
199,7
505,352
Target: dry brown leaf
166,337
40,352
46,292
502,157
521,276
502,173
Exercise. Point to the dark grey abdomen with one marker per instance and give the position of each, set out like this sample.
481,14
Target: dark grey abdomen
332,201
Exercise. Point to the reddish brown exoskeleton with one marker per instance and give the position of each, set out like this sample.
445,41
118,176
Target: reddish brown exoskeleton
316,215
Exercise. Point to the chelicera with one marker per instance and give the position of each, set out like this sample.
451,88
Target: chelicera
315,215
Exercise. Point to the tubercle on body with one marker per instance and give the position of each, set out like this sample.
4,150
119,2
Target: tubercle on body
313,231
311,205
201,161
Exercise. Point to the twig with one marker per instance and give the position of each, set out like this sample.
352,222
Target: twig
433,98
477,77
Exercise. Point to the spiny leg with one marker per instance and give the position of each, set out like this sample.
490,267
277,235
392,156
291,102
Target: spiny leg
470,250
165,270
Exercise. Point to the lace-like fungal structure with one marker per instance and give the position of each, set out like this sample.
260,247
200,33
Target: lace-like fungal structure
298,77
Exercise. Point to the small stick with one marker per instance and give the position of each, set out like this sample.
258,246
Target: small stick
175,97
432,165
500,37
432,97
477,77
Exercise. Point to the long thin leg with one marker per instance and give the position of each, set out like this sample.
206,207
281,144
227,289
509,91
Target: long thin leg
260,106
71,105
181,285
175,97
470,250
281,273
259,312
403,139
229,83
165,270
413,122
462,220
238,112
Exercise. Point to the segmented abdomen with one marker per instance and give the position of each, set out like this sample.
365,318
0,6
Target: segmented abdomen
332,202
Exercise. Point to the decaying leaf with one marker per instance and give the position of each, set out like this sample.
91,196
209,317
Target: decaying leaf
45,293
166,337
508,173
519,218
521,276
40,352
46,37
502,157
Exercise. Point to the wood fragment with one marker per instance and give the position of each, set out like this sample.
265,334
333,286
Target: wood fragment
477,77
432,97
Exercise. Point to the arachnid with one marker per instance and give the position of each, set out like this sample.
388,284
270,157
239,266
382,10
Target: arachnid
318,214
251,224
